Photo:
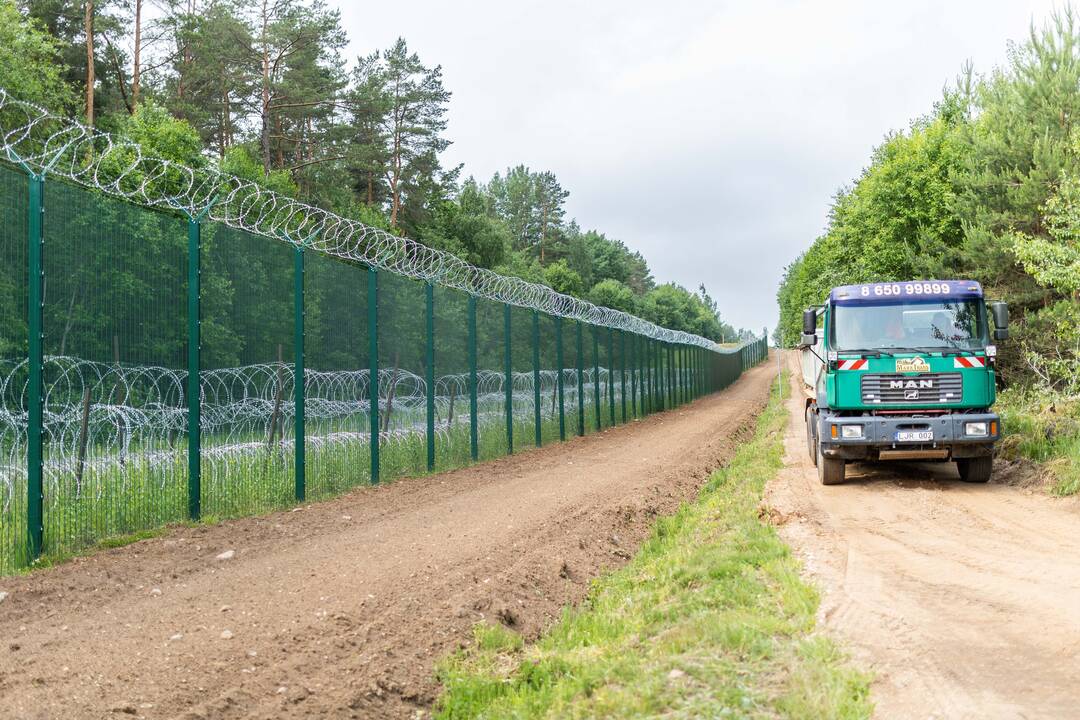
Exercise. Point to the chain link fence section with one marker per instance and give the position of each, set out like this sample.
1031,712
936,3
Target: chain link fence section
162,361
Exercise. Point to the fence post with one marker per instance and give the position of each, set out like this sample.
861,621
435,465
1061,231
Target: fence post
665,384
646,362
634,372
35,520
677,367
429,315
611,377
194,390
693,351
673,390
373,371
536,376
660,378
474,443
622,372
299,432
596,375
684,366
559,377
580,381
646,377
702,355
509,359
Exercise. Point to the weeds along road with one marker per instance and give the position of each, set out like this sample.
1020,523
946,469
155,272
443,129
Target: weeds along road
341,609
964,600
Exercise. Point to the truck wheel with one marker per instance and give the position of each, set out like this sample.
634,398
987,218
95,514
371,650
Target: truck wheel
830,471
976,469
811,436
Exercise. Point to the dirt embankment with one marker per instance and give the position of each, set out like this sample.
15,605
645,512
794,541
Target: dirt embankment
341,609
963,599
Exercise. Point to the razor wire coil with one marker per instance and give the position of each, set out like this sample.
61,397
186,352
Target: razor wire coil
44,143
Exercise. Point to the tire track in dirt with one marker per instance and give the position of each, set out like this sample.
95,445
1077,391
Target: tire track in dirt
342,608
963,599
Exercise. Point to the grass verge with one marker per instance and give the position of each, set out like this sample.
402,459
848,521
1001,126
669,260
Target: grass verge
709,620
1045,428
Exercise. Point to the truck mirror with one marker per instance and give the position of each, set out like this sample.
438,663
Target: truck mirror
809,321
809,339
1000,311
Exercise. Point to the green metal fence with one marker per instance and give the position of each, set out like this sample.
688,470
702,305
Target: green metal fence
315,374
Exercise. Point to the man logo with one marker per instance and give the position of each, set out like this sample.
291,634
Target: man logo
911,394
911,384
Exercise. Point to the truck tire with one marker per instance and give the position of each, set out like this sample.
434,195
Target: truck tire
830,471
811,436
976,469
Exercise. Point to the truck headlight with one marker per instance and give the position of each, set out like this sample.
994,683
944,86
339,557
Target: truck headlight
975,429
851,431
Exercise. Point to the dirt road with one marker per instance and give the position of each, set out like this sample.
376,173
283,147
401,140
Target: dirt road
341,609
964,600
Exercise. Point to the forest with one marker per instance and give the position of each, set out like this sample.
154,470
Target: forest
263,90
985,186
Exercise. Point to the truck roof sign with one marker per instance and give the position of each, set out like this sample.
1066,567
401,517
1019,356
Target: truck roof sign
904,292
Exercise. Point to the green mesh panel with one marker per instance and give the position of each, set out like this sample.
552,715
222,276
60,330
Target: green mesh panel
452,412
247,373
115,343
337,363
13,368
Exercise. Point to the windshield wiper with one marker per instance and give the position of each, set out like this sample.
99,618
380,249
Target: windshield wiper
863,351
893,349
950,352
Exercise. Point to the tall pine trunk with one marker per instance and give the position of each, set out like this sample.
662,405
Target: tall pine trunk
136,56
88,29
264,108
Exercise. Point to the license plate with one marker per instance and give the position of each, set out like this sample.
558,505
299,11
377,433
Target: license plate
915,436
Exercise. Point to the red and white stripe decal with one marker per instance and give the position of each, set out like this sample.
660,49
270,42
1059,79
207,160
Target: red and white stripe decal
851,364
969,362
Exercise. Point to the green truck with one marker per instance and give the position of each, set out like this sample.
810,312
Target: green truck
902,371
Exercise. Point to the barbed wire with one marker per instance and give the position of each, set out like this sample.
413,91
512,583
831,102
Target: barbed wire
47,144
104,421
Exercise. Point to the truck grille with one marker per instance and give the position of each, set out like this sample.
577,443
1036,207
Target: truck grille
919,389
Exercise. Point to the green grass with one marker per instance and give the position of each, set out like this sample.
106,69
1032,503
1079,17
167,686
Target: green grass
709,620
117,541
1044,428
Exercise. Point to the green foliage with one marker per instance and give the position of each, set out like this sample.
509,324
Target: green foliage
1053,259
241,161
562,279
162,135
1044,427
615,295
713,594
30,62
478,238
984,188
675,307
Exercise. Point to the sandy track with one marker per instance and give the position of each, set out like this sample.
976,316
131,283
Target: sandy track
963,599
341,609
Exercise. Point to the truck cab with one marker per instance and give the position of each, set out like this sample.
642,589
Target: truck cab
902,371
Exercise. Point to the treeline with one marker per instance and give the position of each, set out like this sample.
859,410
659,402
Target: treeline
262,89
986,186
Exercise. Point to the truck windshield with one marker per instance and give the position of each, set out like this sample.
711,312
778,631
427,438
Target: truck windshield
934,325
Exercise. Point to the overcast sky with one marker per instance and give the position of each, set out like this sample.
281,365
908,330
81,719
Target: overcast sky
710,136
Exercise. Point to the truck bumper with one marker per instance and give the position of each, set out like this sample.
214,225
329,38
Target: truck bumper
951,437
